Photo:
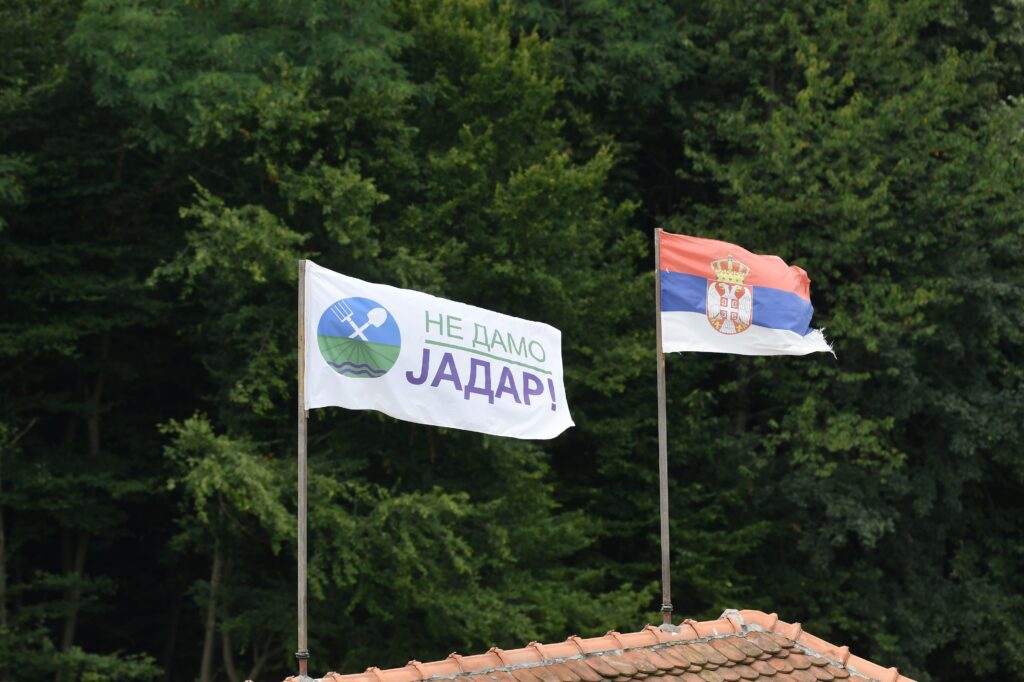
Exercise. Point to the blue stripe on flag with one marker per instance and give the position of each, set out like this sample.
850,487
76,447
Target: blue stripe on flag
772,307
683,293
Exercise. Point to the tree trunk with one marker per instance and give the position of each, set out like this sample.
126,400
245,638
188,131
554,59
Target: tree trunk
3,552
227,651
167,660
260,658
229,656
77,571
94,398
205,673
6,447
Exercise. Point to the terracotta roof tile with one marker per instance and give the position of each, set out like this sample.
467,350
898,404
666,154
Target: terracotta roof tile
746,672
638,659
546,673
711,654
683,657
763,669
748,649
584,671
661,662
741,646
802,676
765,644
821,673
723,647
728,674
601,666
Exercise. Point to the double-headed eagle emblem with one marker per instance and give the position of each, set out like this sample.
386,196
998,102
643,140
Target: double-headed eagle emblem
730,302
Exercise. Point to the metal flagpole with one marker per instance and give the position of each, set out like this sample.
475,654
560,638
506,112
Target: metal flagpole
302,655
666,579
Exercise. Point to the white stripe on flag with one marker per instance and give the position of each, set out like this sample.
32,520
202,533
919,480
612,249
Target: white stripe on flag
685,331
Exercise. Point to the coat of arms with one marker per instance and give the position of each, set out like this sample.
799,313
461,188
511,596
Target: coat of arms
730,302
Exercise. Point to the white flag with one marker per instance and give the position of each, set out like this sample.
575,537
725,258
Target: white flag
428,360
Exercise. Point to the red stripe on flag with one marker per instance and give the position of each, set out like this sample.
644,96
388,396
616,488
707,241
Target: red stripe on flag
694,255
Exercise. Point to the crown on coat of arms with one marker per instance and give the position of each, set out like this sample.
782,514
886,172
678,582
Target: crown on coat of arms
729,270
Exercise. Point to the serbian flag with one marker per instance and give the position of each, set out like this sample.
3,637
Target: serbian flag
717,297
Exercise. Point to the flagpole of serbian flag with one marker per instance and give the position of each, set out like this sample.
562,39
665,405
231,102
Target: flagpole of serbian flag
715,297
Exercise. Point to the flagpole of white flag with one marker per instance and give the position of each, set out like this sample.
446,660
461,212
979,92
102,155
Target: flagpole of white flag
302,654
666,578
421,359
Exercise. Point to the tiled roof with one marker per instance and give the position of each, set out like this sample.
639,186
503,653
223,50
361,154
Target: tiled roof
739,646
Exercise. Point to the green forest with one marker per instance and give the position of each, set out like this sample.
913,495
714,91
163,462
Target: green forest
165,163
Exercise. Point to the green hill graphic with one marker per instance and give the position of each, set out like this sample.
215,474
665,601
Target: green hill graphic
356,358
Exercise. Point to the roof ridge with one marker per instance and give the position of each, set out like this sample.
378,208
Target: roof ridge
732,623
816,646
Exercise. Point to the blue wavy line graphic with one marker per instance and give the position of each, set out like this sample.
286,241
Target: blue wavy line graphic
369,368
360,372
351,368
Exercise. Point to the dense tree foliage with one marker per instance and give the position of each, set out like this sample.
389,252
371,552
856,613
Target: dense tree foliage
163,165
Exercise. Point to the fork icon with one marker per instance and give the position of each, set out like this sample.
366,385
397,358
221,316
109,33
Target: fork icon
343,312
375,318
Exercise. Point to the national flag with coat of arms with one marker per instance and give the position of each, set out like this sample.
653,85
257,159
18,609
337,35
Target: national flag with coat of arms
717,297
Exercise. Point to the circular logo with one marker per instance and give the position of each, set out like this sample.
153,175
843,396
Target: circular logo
358,338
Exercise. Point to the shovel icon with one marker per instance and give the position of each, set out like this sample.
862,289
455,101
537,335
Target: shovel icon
375,318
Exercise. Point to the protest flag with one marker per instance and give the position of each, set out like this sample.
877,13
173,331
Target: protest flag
429,360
